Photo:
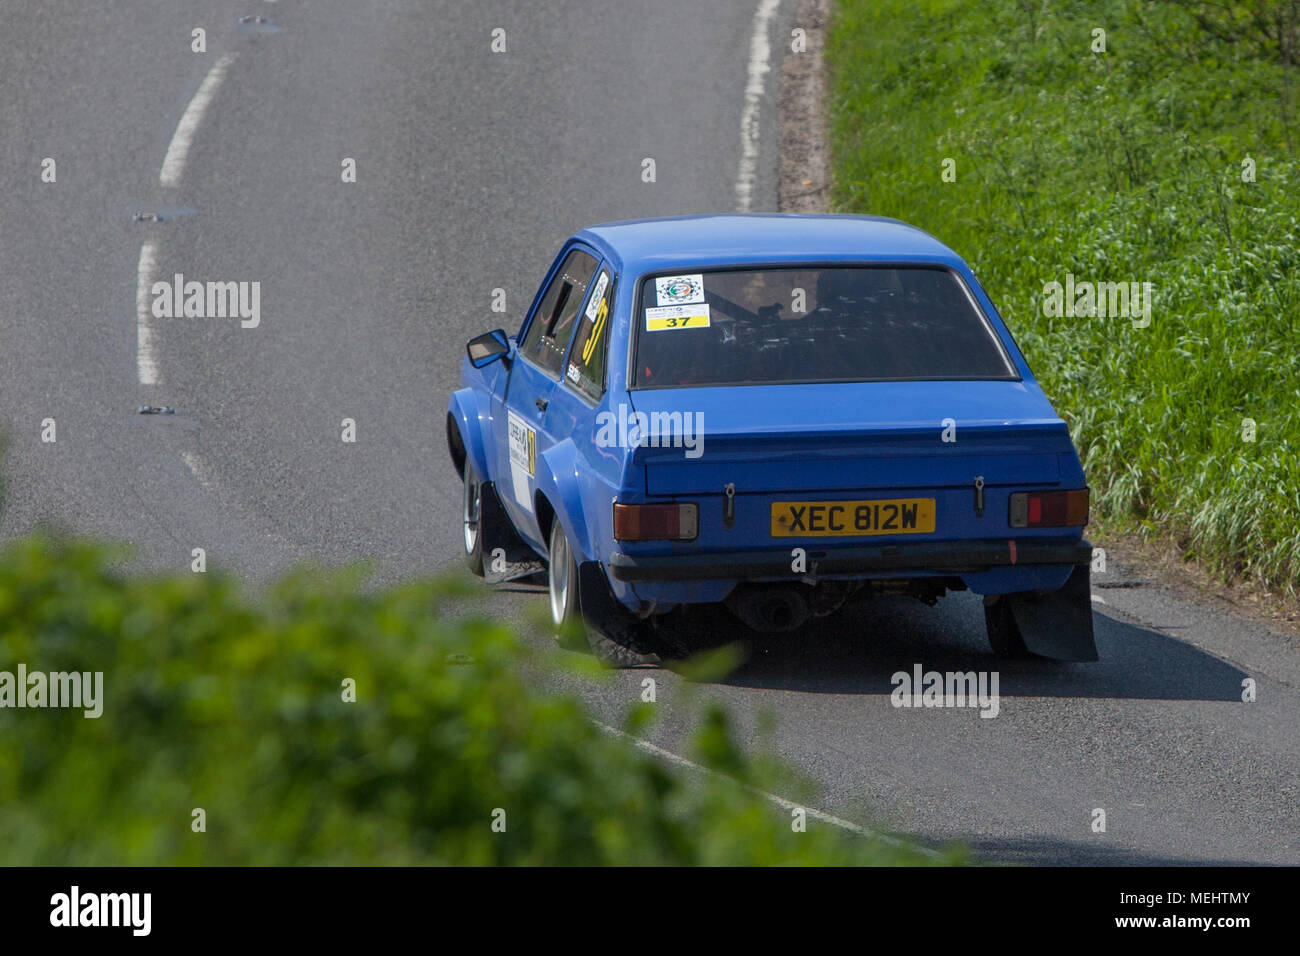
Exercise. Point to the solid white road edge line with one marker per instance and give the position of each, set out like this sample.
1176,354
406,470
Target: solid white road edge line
785,804
760,64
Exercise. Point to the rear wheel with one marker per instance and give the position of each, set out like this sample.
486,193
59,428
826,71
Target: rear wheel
472,519
562,583
585,614
1004,633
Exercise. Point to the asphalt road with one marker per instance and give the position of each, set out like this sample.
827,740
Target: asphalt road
472,166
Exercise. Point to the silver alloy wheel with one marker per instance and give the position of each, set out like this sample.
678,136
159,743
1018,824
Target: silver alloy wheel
472,499
558,575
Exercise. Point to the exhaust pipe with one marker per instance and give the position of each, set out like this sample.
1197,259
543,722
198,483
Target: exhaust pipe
769,609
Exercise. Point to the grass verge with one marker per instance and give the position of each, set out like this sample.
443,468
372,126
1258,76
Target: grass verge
1128,165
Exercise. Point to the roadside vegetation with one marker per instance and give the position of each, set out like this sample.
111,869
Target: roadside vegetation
234,703
1128,165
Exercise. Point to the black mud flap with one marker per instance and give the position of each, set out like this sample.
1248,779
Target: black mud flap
615,634
517,560
1057,624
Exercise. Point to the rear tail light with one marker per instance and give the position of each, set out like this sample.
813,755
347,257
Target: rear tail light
1049,509
672,522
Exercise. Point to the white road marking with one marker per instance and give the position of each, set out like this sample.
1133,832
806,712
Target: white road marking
1098,599
196,469
179,150
760,64
782,802
146,366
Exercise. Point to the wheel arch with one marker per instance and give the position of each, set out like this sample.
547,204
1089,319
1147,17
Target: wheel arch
466,423
558,496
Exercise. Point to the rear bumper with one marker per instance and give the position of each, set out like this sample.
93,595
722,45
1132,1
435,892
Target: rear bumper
954,557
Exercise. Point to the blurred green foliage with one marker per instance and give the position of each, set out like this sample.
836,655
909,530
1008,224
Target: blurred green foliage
233,702
1126,166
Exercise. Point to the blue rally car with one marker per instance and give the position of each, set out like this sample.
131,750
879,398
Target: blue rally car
778,413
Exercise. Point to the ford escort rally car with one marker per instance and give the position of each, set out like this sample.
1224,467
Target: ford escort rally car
776,413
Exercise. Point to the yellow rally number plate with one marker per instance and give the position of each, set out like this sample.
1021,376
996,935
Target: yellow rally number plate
845,519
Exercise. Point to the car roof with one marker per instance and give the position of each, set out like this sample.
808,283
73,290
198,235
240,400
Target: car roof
680,242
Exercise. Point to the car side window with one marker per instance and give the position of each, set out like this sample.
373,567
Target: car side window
587,361
552,325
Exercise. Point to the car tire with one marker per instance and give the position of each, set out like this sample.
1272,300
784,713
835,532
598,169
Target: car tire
562,589
615,653
472,519
1004,633
618,637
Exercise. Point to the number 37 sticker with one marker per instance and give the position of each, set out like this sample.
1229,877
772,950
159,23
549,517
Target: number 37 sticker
677,317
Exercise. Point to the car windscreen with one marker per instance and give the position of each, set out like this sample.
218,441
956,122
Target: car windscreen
823,324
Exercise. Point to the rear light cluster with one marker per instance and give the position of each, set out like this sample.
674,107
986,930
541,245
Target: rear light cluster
671,522
1049,509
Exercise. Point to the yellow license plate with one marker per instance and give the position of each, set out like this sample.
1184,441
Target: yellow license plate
847,519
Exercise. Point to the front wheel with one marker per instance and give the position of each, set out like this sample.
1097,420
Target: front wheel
472,519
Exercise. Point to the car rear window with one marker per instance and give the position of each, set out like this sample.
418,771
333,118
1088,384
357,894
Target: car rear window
841,324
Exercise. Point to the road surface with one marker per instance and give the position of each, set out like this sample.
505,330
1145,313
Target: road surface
472,165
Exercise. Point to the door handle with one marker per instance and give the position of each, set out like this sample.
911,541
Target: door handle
541,404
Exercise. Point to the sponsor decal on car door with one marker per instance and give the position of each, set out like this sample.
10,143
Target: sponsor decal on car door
523,459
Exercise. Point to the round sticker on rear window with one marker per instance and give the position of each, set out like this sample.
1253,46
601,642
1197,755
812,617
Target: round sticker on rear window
680,290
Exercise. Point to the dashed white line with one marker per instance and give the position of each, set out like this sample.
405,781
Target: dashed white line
146,365
196,469
179,150
782,802
760,64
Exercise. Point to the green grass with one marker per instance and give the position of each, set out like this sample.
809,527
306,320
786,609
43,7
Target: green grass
1122,166
232,702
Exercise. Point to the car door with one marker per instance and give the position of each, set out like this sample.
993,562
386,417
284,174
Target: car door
534,379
